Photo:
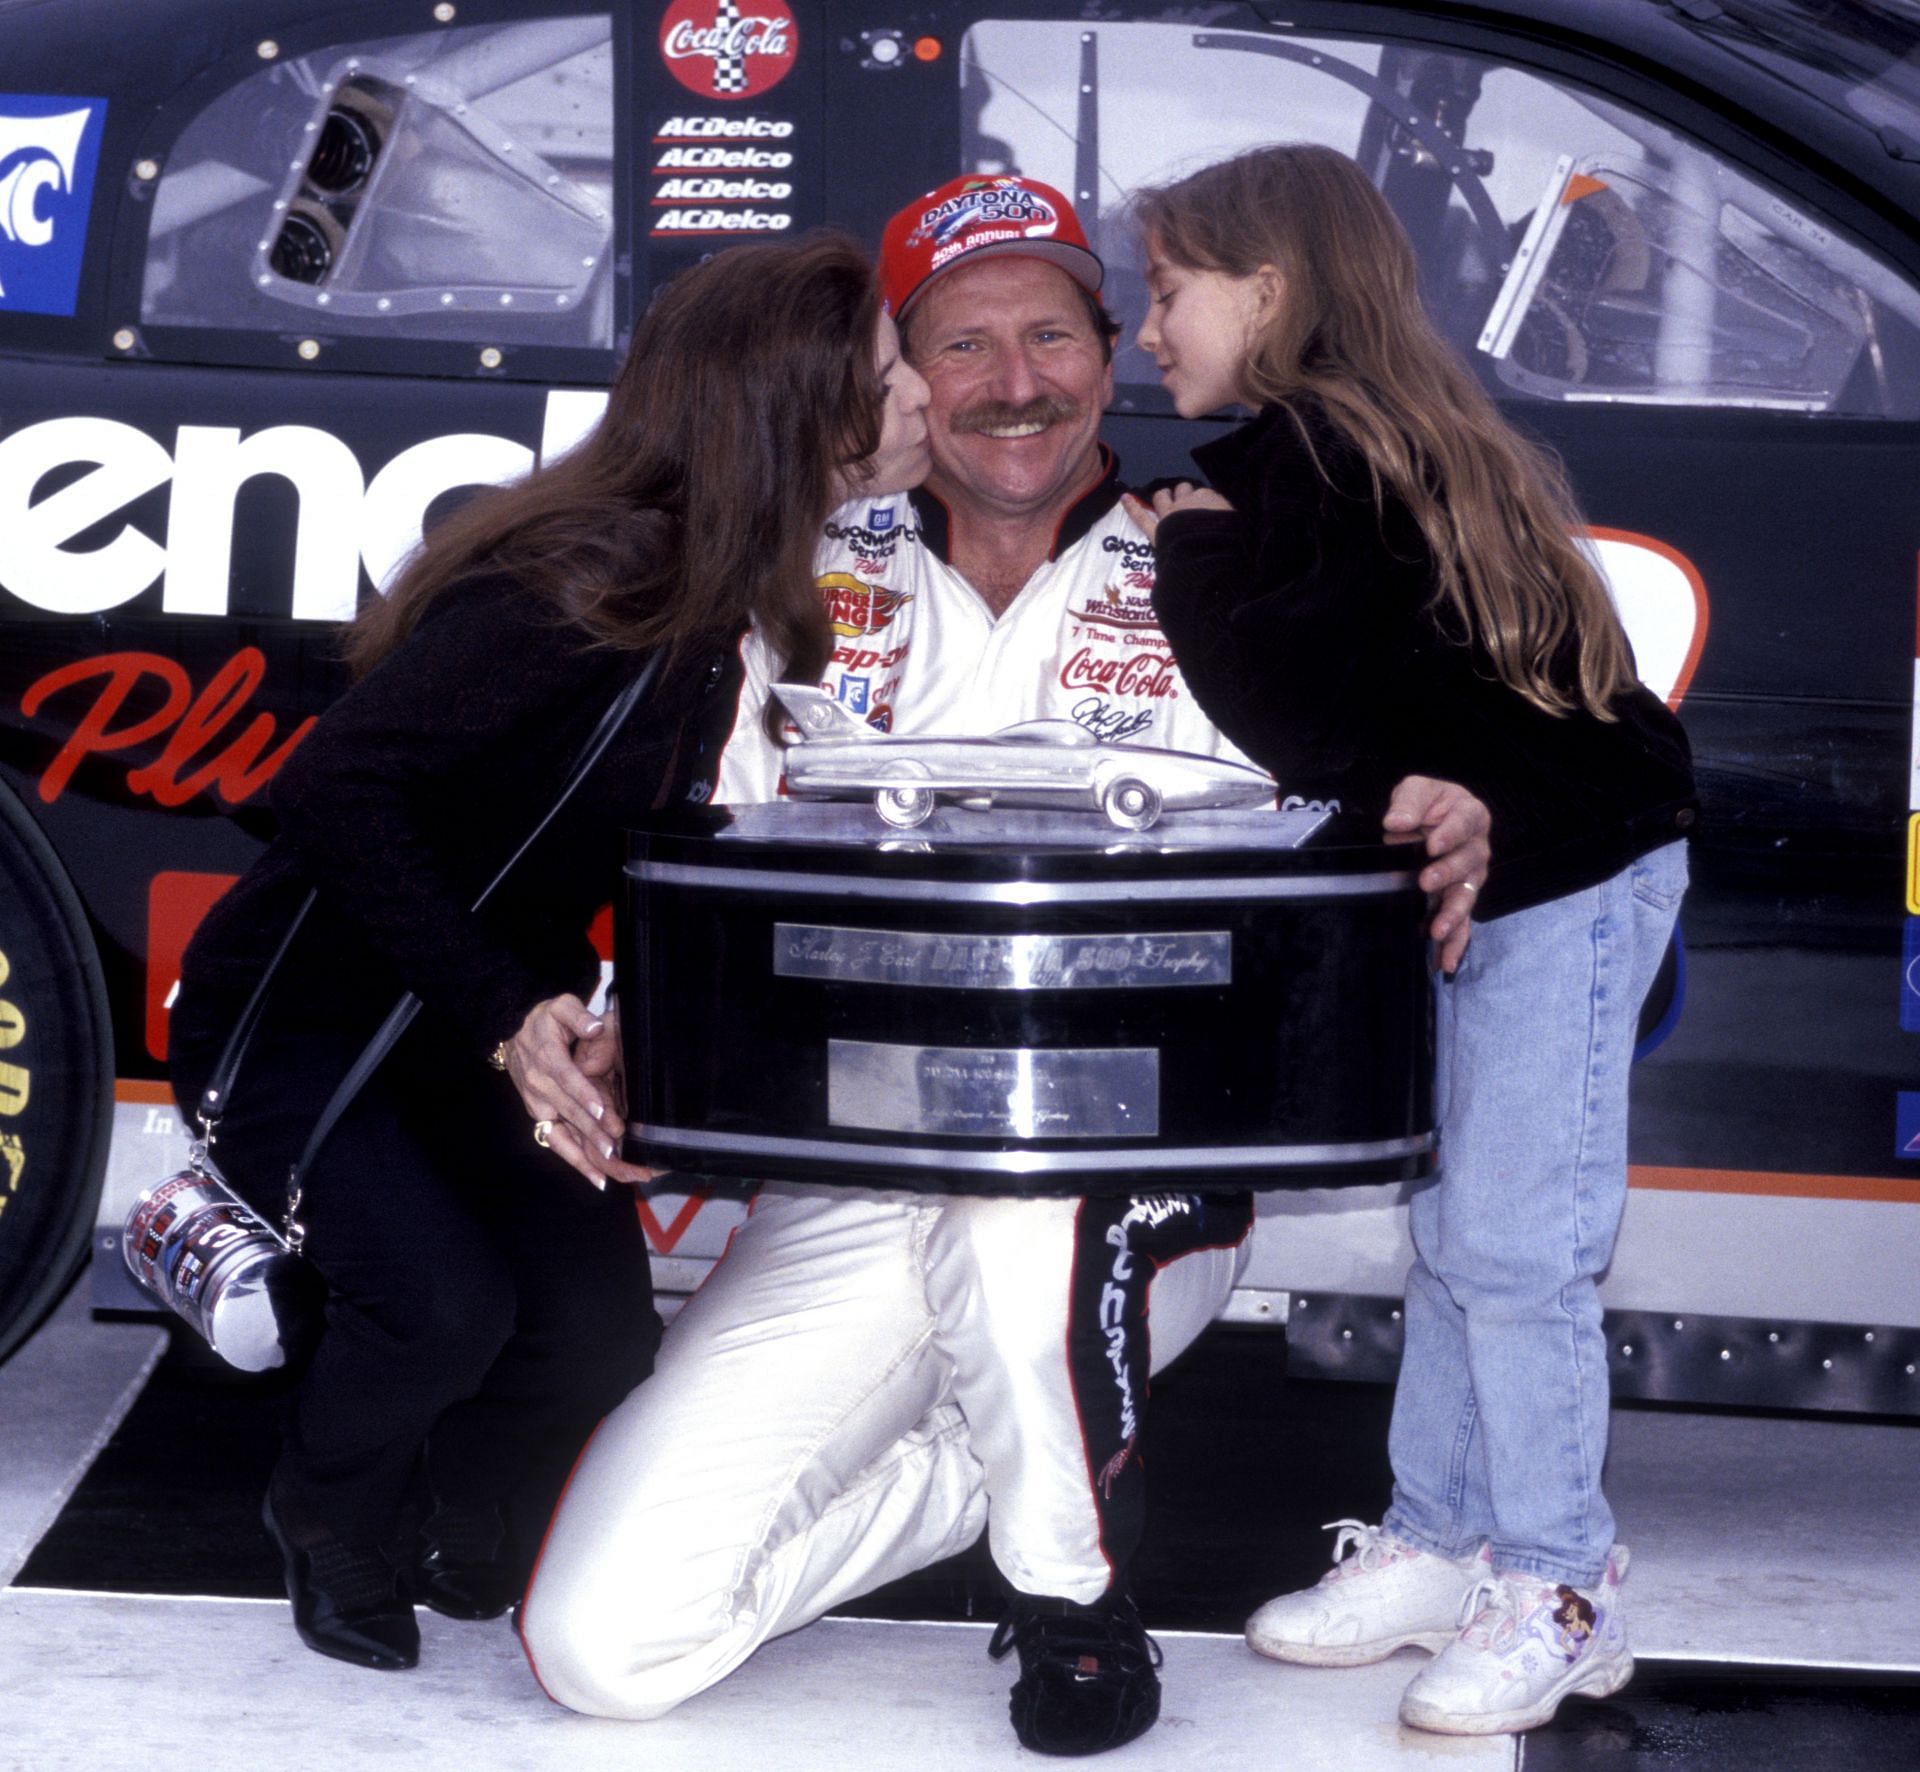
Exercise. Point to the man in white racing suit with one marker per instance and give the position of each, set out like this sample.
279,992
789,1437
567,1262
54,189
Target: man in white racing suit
868,1378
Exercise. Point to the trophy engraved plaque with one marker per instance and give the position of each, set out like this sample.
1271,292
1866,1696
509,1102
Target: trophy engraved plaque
1002,962
1031,1002
1059,1092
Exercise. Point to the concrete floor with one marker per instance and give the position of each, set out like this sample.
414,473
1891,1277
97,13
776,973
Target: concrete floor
1755,1541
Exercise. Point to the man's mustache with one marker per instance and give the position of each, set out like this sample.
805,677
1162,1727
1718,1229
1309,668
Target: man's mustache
997,415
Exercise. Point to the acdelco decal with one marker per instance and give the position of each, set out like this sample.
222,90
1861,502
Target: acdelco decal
722,221
719,50
15,1086
1148,675
704,128
723,190
724,159
855,607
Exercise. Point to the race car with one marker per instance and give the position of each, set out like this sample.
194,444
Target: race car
283,280
1038,763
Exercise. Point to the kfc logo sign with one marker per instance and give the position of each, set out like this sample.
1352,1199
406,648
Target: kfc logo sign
720,50
1148,675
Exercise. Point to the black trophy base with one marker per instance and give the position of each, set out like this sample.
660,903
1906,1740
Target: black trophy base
977,1011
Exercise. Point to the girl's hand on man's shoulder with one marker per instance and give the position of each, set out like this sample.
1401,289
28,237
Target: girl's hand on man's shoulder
1169,501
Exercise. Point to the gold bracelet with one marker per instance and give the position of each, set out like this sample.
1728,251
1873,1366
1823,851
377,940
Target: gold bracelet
498,1056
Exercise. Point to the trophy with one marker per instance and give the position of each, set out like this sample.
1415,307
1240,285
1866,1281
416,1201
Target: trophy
1026,963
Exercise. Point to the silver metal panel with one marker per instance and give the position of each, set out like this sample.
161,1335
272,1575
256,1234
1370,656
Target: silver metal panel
1022,892
1226,1159
914,958
995,1092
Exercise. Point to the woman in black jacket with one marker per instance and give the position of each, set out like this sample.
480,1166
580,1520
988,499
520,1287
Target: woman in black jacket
485,1307
1385,580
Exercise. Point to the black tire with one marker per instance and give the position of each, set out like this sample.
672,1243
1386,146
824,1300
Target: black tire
56,1077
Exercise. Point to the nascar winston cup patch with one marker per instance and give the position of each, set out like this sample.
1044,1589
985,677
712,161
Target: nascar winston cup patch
49,149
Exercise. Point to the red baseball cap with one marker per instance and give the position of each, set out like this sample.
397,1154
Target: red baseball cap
977,216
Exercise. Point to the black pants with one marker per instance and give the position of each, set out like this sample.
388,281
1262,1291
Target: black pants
486,1304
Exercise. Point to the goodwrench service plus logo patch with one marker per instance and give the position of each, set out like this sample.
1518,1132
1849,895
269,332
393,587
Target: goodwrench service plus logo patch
49,149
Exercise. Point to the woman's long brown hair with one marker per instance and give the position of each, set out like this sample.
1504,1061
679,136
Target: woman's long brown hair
747,399
1348,330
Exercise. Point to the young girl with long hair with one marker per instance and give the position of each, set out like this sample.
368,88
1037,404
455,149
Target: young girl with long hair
1386,579
485,1307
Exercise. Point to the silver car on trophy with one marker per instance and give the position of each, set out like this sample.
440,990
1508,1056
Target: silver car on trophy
1037,763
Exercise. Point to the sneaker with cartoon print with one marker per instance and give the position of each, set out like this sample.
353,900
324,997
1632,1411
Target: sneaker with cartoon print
1524,1645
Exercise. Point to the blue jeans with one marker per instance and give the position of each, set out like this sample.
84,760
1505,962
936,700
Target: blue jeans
1500,1416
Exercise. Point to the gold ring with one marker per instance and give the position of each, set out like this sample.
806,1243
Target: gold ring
543,1134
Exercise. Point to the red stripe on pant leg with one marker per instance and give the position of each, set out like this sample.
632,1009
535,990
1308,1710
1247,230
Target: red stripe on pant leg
533,1577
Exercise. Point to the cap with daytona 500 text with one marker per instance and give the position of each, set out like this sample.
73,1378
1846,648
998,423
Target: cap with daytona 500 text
975,217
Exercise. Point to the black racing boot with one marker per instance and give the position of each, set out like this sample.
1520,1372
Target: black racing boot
1087,1679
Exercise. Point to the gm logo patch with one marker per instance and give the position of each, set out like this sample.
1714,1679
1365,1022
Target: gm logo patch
49,149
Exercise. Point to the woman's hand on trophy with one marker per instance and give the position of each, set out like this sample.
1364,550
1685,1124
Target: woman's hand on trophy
599,1057
1453,825
573,1114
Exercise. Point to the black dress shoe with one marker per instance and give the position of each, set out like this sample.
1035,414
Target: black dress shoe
346,1600
465,1569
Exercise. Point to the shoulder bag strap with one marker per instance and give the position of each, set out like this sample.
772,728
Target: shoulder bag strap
400,1017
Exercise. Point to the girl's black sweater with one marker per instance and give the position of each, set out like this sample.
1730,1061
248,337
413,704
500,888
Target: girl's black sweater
1302,621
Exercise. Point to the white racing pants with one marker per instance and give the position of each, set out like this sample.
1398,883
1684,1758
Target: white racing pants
863,1382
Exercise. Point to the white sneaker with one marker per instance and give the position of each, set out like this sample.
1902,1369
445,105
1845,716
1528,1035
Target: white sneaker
1386,1595
1525,1644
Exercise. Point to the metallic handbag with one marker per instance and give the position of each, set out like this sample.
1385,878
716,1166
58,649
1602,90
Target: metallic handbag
199,1248
205,1253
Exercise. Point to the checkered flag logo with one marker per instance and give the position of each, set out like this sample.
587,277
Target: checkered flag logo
730,65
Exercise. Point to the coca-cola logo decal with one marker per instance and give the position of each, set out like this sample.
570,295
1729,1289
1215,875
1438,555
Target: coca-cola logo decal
725,49
1149,676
